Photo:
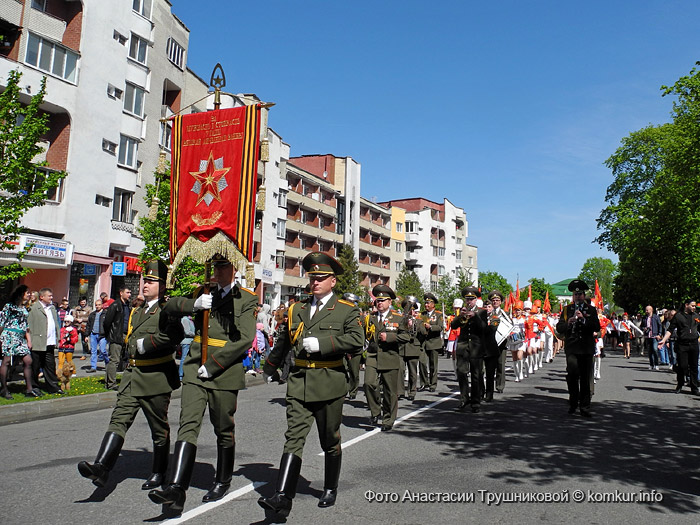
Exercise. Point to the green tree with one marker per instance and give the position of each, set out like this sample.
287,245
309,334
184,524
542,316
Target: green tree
540,289
349,280
154,230
490,281
408,283
602,269
446,293
653,213
22,185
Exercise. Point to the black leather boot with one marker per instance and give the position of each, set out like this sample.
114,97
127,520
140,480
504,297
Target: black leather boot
281,501
330,483
160,465
172,497
107,456
224,473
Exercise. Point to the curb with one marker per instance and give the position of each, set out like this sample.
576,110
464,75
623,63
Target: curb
35,410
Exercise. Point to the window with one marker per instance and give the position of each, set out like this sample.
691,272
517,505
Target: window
143,7
399,227
133,99
441,270
128,149
282,199
114,92
398,246
121,211
458,255
166,132
281,228
52,58
340,223
176,53
137,48
103,201
119,37
39,4
279,259
52,194
398,266
471,261
441,252
411,227
109,147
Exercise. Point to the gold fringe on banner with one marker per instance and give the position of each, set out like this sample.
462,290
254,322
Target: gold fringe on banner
202,252
260,203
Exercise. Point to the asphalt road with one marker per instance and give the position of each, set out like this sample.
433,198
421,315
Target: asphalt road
508,462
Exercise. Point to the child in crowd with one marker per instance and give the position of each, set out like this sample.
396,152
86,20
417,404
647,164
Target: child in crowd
69,336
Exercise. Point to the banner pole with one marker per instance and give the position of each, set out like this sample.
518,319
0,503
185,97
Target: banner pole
205,319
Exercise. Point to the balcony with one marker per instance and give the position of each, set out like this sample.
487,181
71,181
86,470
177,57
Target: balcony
374,270
313,231
121,233
46,24
373,227
411,256
377,250
311,203
412,237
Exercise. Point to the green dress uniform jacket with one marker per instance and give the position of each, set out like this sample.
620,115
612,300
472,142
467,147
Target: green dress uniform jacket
231,332
413,347
154,371
579,338
433,339
387,352
319,376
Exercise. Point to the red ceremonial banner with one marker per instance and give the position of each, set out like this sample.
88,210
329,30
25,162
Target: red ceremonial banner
214,177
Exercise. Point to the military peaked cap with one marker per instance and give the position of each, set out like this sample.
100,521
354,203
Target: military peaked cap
155,271
470,292
577,285
317,263
382,291
495,293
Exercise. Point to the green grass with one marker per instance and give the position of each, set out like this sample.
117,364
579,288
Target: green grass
80,386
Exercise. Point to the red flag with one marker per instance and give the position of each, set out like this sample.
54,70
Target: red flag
529,292
547,307
214,177
517,290
598,296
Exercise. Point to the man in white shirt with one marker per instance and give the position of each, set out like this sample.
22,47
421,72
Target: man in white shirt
45,330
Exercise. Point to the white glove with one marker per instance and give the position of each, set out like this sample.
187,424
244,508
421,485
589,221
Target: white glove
267,378
202,372
203,302
139,346
310,344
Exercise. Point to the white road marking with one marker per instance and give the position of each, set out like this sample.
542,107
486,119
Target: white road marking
197,511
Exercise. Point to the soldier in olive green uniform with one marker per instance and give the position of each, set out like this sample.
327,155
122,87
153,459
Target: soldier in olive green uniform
214,384
433,344
321,333
352,362
147,383
410,351
385,331
472,324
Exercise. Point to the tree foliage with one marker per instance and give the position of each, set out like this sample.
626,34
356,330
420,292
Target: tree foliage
489,281
349,280
602,269
154,230
653,213
22,186
408,283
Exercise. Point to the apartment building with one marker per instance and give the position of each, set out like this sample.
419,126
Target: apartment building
113,70
435,238
375,252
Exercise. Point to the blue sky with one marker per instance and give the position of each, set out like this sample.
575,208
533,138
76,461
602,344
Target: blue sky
508,109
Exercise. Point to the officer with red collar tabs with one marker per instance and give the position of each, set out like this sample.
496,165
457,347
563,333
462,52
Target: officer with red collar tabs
213,384
147,383
579,322
321,332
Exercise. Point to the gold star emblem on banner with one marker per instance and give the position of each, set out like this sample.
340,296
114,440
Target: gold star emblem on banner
210,180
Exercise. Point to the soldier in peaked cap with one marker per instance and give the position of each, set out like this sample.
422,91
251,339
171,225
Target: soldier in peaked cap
213,384
411,351
470,349
352,362
578,322
321,332
433,343
147,383
495,358
385,332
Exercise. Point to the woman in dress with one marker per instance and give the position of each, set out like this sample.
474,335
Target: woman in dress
15,338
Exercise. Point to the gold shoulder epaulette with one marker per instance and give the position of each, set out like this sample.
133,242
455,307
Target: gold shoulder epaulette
346,302
251,292
438,312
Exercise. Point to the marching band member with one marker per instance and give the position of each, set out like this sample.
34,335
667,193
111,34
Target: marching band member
516,341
